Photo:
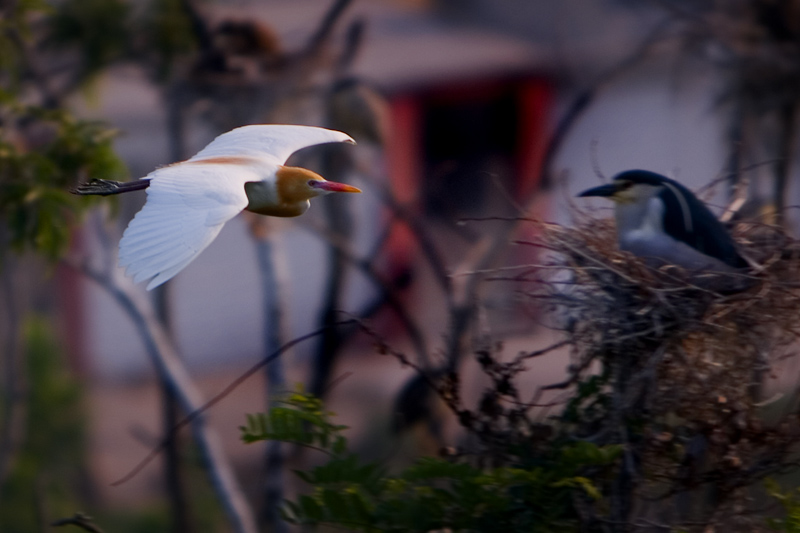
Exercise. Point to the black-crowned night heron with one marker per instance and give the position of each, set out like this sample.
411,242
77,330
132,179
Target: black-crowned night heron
661,221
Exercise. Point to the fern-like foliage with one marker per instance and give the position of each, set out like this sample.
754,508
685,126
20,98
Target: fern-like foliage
299,419
433,493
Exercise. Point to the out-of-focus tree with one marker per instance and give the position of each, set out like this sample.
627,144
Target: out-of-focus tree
754,45
44,151
50,52
48,475
53,51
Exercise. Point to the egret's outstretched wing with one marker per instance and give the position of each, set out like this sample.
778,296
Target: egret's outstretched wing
271,141
187,205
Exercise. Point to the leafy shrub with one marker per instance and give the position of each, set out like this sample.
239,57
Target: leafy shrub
433,493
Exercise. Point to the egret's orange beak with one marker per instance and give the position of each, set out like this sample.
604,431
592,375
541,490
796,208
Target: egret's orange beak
332,186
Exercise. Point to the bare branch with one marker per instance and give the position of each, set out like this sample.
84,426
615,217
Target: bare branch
79,520
321,35
169,365
13,406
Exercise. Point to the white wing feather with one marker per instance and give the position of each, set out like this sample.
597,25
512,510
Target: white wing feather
187,204
186,207
277,141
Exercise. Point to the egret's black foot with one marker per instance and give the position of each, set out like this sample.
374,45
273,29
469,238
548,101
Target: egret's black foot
108,187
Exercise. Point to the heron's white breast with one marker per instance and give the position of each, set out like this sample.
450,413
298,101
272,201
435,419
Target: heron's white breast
639,222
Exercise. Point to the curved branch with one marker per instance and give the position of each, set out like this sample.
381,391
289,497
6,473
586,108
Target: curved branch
172,370
325,28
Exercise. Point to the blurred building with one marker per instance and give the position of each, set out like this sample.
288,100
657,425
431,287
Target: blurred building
473,90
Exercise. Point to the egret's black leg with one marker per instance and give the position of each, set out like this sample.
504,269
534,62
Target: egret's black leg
108,187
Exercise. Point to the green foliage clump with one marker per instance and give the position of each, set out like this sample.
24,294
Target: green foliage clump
790,503
44,150
301,420
433,493
35,181
97,30
169,36
50,459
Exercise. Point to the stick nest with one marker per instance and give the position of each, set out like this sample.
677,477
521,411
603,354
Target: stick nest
683,357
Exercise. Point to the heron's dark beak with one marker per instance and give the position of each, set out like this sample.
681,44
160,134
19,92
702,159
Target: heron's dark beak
609,189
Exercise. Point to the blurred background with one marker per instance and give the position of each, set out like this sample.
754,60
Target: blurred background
468,115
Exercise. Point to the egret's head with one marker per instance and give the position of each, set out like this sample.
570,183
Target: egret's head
297,184
631,187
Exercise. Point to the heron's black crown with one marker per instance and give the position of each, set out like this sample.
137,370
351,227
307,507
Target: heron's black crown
646,177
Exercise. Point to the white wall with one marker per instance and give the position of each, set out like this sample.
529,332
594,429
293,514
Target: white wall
648,120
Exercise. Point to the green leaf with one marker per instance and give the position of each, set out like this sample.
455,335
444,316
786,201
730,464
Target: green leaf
299,419
97,29
583,483
310,509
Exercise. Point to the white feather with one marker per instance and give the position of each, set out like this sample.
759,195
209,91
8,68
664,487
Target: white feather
172,228
275,141
188,203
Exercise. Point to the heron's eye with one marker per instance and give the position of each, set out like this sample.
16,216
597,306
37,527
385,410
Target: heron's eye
312,183
625,185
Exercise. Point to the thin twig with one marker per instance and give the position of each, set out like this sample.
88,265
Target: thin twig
367,266
80,520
